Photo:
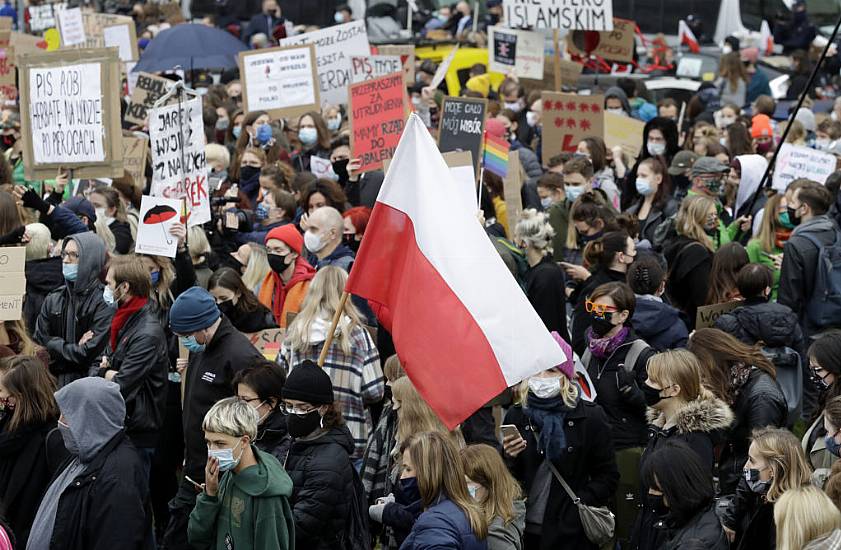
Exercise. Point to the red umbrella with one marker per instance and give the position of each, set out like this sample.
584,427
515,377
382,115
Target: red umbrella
160,214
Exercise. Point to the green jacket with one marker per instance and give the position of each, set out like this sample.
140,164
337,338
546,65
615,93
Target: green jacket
559,220
726,233
250,511
759,256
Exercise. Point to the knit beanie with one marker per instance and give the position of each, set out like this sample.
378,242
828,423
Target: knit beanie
194,310
761,127
288,234
309,383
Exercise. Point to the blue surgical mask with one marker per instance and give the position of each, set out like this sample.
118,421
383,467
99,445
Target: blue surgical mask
339,17
156,277
831,446
472,490
237,131
333,124
546,202
108,296
261,212
644,187
191,344
308,136
264,134
70,271
226,457
573,192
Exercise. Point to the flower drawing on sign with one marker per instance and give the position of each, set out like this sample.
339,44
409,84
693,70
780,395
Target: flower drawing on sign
547,105
595,108
570,106
585,124
559,106
559,122
571,122
584,107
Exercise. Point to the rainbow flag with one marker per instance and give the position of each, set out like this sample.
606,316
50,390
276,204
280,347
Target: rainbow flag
496,155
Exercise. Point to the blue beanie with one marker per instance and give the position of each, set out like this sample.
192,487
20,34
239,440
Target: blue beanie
194,310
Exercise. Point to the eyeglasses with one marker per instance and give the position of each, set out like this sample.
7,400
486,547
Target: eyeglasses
70,255
248,401
292,409
597,308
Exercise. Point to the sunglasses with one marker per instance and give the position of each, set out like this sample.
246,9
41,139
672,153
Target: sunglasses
597,308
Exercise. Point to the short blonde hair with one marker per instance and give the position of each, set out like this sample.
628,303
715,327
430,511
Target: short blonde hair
215,152
40,237
231,416
677,366
802,515
534,230
781,450
197,242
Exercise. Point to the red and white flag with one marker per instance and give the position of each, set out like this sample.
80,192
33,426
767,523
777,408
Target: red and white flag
686,37
766,39
461,324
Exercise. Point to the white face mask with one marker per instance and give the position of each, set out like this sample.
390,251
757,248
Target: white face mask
726,49
655,149
313,242
821,144
516,106
615,111
101,215
531,118
545,388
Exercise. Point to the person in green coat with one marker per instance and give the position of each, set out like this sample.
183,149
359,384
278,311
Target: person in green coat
767,247
245,501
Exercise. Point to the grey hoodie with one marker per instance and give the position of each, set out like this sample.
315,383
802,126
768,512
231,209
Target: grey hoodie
618,93
91,261
505,536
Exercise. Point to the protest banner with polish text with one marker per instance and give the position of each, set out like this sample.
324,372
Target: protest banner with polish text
369,67
569,118
614,45
281,81
583,15
134,159
515,51
407,57
147,90
72,27
378,110
462,126
795,162
12,282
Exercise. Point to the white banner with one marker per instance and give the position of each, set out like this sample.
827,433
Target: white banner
580,15
801,162
515,50
279,79
369,67
72,27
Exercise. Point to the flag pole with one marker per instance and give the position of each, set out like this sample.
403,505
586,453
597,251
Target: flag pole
328,341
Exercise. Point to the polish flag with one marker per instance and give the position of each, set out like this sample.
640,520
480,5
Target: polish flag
461,324
766,39
687,37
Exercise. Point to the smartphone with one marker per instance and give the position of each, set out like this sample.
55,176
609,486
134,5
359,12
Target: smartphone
509,430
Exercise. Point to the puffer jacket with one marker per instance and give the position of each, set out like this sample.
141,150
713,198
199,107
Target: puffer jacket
774,324
760,403
659,324
42,277
443,526
704,530
322,476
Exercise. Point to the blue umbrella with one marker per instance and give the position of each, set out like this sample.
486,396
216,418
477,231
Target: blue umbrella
190,46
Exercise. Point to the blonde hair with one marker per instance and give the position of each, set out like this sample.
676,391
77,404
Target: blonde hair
802,515
439,471
321,302
40,239
18,328
216,152
198,244
393,369
161,292
105,235
483,465
781,450
231,416
534,231
796,133
415,415
768,228
257,267
691,219
680,367
569,392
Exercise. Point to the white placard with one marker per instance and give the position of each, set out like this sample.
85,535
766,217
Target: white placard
157,214
795,162
368,67
580,15
43,17
334,46
518,51
322,168
65,107
179,164
119,36
279,79
71,26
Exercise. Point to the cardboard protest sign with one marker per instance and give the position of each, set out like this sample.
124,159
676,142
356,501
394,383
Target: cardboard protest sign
95,24
71,116
378,111
624,131
592,15
615,45
134,159
334,46
8,83
462,126
267,342
322,168
179,164
43,17
569,118
71,27
147,90
512,184
25,44
124,38
441,71
369,67
157,214
407,57
795,162
520,52
570,73
12,282
707,315
280,81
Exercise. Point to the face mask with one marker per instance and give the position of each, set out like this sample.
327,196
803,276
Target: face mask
545,388
516,106
352,243
227,307
656,505
237,131
726,49
108,296
832,446
333,124
261,212
264,134
339,17
618,111
472,490
652,395
156,277
308,136
191,344
763,147
573,192
340,169
409,488
725,122
69,441
313,242
755,485
70,271
531,118
785,221
416,102
601,326
644,187
226,457
546,202
222,123
587,238
722,141
655,149
279,263
248,173
793,216
303,425
822,144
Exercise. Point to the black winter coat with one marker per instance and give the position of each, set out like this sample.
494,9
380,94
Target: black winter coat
588,466
272,436
42,277
690,263
122,236
252,321
775,325
656,216
322,476
760,403
704,530
580,319
103,508
619,395
752,518
142,368
209,376
545,291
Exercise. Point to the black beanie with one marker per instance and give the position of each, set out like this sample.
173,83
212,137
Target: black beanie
309,383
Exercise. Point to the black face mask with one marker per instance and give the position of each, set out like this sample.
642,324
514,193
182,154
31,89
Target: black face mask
793,216
711,231
340,169
227,307
656,505
279,263
248,173
601,326
588,238
818,382
303,425
652,395
352,243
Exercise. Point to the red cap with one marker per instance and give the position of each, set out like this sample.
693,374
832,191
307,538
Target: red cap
288,234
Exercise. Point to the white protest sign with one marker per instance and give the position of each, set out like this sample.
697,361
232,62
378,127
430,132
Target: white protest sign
43,17
334,46
72,27
280,81
441,71
157,215
518,51
369,67
121,37
795,162
581,15
65,106
179,164
322,168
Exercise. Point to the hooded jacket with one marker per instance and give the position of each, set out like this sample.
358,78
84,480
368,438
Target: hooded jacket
74,309
250,510
97,501
42,277
690,263
659,324
753,168
615,92
668,128
775,325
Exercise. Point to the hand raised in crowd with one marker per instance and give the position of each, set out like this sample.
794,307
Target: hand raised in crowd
211,476
61,181
352,166
577,272
30,199
744,223
513,445
179,231
304,223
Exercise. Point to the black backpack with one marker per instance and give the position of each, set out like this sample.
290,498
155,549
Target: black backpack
789,378
357,535
824,307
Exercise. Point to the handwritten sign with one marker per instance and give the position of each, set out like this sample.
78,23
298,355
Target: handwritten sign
322,168
280,81
179,164
520,52
377,115
157,214
569,118
801,162
124,38
370,67
8,85
462,126
43,17
625,132
407,57
71,27
12,282
707,315
95,24
334,46
615,45
134,159
147,90
267,342
589,15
